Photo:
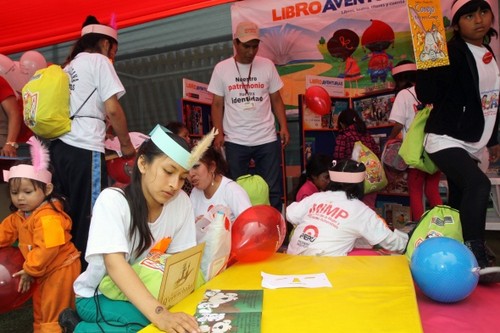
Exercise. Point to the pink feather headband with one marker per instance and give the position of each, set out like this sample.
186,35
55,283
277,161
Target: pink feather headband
38,171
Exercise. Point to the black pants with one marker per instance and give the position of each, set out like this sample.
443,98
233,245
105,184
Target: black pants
79,175
469,189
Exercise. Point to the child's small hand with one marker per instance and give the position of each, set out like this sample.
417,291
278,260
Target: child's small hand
25,281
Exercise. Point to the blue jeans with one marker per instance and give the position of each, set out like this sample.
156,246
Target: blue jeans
267,158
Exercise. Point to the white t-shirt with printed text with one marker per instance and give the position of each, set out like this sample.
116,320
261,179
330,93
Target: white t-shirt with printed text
247,124
89,71
489,87
328,224
229,194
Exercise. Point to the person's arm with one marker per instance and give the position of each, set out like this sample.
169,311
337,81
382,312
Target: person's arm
279,111
217,114
396,129
129,283
118,121
14,118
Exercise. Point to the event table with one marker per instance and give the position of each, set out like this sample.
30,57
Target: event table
368,294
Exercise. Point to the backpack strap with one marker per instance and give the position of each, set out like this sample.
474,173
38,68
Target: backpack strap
81,106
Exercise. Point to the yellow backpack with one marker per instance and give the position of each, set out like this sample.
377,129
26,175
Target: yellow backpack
46,106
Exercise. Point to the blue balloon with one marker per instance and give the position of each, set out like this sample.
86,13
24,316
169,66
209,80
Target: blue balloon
444,269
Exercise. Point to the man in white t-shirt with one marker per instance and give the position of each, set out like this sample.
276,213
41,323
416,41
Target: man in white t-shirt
246,93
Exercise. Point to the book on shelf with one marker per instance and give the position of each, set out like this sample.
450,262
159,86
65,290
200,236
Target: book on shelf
230,311
401,216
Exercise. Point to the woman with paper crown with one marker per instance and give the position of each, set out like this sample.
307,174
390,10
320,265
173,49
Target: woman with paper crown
42,227
152,213
330,223
78,156
461,128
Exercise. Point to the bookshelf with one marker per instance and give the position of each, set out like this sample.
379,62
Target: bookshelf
317,134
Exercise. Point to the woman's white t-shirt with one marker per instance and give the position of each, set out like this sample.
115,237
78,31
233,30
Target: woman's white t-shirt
229,194
89,71
109,233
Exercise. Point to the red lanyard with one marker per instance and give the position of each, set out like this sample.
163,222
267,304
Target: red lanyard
245,87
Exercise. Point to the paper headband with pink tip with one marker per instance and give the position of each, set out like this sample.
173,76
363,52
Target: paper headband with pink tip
403,68
347,177
100,29
27,171
459,4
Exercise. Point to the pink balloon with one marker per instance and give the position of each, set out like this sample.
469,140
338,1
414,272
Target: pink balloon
13,75
31,61
318,100
6,64
257,234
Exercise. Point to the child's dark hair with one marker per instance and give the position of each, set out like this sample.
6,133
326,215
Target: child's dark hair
135,197
175,126
406,79
15,183
213,155
88,41
471,7
352,190
349,117
315,166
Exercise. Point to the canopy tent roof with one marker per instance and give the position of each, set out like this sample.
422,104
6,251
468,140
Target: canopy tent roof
42,23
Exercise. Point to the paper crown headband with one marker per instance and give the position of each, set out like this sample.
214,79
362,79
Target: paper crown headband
347,177
403,68
100,29
176,152
38,171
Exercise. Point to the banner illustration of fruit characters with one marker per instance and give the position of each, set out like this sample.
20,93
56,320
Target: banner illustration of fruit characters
428,33
357,41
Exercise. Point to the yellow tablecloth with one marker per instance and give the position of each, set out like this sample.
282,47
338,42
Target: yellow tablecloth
369,294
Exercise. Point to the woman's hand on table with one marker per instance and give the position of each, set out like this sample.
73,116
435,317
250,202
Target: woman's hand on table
175,322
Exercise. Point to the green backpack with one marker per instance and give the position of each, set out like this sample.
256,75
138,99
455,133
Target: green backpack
440,221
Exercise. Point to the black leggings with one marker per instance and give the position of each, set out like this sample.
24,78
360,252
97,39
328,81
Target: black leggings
469,189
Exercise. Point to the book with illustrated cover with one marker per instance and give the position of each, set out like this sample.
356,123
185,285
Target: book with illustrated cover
401,216
179,277
230,311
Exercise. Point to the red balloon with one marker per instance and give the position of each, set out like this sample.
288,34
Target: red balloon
11,261
318,100
257,234
120,169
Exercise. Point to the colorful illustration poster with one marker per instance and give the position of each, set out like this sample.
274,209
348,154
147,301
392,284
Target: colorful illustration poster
356,41
428,33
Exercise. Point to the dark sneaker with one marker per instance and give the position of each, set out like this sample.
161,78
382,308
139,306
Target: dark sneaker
68,319
489,275
478,248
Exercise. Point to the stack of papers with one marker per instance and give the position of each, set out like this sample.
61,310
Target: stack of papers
272,281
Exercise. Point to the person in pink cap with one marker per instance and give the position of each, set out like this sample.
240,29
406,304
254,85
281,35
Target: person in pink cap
42,228
246,102
461,128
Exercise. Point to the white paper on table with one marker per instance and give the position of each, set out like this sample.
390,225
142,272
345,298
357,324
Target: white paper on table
272,281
